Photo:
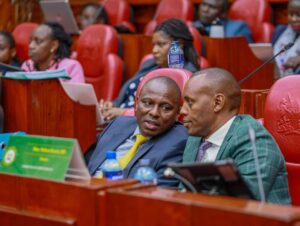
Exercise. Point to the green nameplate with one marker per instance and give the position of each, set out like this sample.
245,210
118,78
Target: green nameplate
44,157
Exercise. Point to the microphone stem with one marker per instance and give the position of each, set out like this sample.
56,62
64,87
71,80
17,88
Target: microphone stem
261,66
14,68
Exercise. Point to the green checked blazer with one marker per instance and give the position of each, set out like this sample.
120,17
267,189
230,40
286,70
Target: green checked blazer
237,146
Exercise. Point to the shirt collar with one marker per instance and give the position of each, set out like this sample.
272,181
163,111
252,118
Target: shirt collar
217,137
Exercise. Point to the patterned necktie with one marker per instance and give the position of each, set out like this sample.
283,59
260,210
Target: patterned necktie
140,139
202,149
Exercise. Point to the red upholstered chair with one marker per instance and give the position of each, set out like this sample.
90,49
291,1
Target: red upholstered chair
282,116
119,13
167,9
294,182
282,120
97,52
22,34
180,76
257,14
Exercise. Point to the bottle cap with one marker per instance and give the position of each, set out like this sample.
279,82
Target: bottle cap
110,154
145,162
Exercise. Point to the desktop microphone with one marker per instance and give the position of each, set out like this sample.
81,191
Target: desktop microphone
170,173
256,163
285,48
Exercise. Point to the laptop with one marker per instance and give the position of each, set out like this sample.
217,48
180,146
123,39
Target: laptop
60,11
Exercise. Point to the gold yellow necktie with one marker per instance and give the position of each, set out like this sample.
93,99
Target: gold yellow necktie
140,139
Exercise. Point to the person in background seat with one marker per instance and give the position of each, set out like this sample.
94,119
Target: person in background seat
50,49
211,10
289,61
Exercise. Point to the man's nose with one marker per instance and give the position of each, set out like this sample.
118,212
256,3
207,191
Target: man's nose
154,112
183,110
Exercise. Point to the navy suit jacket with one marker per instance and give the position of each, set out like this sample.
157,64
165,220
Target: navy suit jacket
161,150
232,28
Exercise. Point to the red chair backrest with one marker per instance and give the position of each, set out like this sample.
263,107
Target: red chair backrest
97,52
94,44
294,182
181,9
117,10
254,13
22,34
197,38
282,116
180,76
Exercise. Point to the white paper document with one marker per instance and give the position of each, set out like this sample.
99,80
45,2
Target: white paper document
84,94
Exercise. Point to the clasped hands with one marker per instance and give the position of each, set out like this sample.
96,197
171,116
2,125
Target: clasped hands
109,111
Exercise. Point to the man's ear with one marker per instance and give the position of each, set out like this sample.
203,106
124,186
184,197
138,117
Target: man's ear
219,102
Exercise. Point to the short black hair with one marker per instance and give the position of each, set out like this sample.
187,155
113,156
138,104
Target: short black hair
65,41
9,38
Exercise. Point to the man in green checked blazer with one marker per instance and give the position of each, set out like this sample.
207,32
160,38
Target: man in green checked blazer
211,105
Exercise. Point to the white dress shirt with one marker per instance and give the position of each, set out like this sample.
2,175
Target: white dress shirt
216,139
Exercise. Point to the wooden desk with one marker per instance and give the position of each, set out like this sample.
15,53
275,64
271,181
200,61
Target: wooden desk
148,206
51,203
42,107
234,55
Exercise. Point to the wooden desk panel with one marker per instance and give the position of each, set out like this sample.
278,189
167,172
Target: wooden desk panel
42,107
234,55
148,206
55,200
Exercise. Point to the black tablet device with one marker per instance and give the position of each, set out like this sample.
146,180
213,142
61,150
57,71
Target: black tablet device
219,177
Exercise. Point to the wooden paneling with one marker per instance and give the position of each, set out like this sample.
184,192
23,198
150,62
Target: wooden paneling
31,199
150,206
234,55
42,107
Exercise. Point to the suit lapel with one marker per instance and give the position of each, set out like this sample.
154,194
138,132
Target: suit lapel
191,149
225,145
109,141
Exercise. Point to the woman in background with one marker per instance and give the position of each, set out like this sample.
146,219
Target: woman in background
8,53
288,62
50,49
164,34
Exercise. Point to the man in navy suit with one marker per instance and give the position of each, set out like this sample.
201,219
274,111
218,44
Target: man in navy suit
210,10
157,109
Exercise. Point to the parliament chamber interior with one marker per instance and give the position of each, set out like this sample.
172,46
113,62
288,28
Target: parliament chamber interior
110,54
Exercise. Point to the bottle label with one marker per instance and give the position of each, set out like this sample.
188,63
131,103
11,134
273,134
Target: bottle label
113,175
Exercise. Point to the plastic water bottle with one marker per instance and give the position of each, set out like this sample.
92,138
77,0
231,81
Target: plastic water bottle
175,55
111,168
217,29
145,174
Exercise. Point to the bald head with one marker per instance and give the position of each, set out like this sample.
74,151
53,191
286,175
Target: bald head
218,80
211,98
167,82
